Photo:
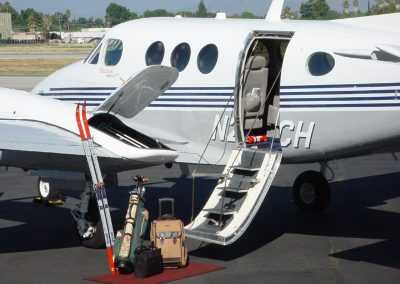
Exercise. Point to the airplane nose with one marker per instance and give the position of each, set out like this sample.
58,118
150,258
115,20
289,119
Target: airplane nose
77,76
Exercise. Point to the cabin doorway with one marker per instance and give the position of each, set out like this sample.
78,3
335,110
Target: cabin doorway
257,93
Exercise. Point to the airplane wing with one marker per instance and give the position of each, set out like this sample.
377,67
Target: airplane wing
42,133
139,91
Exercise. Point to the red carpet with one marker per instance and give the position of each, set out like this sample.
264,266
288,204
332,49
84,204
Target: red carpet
194,269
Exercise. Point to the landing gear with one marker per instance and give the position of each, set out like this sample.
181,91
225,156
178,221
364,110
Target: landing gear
94,236
44,189
311,192
87,219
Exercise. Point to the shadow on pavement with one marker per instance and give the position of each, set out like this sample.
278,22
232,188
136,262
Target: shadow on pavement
353,214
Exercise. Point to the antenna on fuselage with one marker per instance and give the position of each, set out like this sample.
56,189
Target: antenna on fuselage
275,11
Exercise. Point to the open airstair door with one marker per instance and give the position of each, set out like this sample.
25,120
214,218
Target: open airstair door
252,167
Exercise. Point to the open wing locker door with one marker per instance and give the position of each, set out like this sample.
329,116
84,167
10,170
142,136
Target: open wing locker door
252,167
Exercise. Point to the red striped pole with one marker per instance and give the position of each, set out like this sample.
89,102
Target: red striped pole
84,132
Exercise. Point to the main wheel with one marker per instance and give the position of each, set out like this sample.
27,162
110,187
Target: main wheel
94,236
311,192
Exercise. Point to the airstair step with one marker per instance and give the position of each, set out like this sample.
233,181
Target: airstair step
246,169
246,179
235,189
205,232
218,211
210,175
244,172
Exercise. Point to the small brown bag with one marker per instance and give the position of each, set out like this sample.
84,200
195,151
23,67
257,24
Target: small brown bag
167,233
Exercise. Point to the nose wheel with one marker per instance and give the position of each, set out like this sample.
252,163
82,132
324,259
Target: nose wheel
311,192
44,188
47,194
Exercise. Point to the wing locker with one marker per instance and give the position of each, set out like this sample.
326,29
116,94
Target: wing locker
252,167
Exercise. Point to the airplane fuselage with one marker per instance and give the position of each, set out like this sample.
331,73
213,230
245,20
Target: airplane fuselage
351,109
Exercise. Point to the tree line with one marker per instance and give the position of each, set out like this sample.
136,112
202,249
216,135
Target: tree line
35,21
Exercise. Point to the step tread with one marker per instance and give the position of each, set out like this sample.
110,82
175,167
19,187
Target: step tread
218,211
234,189
214,175
246,169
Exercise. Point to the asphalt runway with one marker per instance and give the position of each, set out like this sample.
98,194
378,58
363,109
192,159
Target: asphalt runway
354,241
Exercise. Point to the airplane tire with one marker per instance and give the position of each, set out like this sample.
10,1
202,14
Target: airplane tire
44,188
311,192
97,241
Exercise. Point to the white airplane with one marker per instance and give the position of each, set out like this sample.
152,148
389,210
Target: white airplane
251,94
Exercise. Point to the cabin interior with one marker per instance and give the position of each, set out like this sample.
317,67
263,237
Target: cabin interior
261,84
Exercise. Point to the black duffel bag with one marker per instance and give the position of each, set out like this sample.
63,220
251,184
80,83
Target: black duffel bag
148,262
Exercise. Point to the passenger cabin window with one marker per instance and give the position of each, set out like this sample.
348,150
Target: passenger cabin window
180,56
113,52
207,58
155,53
321,63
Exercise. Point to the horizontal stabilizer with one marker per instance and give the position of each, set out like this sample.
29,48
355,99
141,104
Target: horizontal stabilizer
355,53
392,50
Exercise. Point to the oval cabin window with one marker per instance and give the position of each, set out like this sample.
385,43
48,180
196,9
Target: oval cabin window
207,58
180,56
321,63
155,53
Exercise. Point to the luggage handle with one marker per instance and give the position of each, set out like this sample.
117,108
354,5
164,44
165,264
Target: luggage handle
162,201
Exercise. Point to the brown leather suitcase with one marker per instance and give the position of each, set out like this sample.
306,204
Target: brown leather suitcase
167,233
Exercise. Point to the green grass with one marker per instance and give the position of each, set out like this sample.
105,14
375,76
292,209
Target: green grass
46,48
32,67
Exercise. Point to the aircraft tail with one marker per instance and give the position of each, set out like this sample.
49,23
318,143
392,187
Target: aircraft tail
387,22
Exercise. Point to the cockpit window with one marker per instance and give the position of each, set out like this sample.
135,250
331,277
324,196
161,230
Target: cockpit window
207,58
321,63
113,52
180,56
155,53
95,57
94,54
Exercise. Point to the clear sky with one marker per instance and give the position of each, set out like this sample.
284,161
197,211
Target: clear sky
96,8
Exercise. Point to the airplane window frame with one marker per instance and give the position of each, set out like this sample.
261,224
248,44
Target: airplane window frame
186,60
320,63
94,59
208,69
160,51
94,52
113,42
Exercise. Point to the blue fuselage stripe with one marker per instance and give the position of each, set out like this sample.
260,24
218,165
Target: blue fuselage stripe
74,94
340,86
84,89
341,105
339,92
340,99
